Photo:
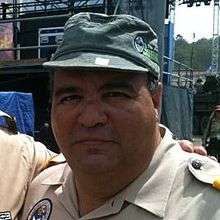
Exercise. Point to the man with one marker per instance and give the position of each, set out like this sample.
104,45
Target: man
21,160
120,163
198,86
211,139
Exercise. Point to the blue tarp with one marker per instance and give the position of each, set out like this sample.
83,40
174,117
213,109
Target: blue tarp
19,105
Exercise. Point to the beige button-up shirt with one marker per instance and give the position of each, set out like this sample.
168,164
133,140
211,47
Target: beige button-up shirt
165,190
21,158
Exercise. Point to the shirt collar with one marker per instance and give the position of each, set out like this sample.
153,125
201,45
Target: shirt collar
66,191
152,188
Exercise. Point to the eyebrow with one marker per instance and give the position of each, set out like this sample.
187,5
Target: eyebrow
119,84
65,90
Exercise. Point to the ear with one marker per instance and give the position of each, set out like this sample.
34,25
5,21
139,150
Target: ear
156,97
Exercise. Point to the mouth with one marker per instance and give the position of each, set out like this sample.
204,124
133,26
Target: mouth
94,146
93,141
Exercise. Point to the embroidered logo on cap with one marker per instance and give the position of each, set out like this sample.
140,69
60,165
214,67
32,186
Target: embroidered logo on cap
139,44
5,215
148,50
41,210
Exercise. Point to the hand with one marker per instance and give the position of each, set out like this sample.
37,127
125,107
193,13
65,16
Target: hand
188,146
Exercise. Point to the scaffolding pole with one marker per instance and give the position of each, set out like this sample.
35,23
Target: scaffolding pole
117,6
35,18
30,8
215,39
28,48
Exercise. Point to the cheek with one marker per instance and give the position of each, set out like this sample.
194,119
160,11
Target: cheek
135,127
62,122
134,123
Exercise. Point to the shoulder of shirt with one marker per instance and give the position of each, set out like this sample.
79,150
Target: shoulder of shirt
201,168
53,175
57,159
15,140
205,170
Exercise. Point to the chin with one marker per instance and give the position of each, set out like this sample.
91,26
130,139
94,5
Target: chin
96,164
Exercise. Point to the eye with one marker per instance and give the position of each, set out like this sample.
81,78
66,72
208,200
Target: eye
70,99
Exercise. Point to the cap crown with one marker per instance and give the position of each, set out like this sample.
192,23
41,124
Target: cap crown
119,36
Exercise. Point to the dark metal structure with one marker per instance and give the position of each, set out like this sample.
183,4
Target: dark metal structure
33,8
191,3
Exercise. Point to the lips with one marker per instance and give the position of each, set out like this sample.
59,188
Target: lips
94,136
93,141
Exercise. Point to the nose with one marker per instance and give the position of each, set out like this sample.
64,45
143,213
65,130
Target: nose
92,115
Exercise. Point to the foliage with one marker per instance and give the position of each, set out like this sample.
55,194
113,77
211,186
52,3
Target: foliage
196,55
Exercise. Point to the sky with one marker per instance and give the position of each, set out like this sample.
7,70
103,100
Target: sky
198,20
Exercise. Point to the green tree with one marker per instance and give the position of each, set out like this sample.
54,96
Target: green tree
197,54
202,54
182,50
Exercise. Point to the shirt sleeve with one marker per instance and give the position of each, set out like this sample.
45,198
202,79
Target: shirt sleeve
21,159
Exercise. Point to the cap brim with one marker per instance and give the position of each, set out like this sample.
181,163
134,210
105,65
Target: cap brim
93,60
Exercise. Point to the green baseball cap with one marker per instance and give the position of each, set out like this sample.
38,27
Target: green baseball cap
116,42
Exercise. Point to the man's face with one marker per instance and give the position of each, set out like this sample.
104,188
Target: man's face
103,121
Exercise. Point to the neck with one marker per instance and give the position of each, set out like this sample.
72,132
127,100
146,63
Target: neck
94,192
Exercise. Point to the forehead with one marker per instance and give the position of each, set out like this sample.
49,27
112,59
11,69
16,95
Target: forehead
83,76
